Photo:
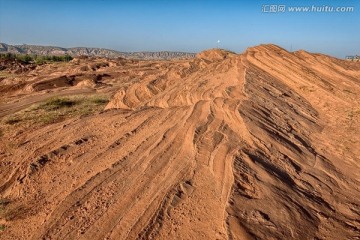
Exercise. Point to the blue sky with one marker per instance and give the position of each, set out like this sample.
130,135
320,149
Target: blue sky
187,25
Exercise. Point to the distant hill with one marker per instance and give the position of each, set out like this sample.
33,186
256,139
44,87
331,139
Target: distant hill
98,52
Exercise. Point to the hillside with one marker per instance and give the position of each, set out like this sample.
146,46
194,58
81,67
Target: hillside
258,145
96,52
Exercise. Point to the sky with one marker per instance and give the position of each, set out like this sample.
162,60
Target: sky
182,25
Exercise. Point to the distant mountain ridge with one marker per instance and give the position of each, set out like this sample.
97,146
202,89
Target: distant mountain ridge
97,52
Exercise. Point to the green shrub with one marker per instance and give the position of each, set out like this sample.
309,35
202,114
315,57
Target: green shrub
35,58
12,120
57,103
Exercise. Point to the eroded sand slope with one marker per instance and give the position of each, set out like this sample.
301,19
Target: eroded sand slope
261,145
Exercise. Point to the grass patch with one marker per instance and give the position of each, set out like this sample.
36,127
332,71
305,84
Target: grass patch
100,101
57,103
16,212
2,227
12,120
3,204
57,109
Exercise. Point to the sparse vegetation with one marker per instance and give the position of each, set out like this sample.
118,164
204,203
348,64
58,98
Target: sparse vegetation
2,227
348,91
57,103
12,120
3,203
100,100
57,109
5,74
36,58
307,88
353,113
16,211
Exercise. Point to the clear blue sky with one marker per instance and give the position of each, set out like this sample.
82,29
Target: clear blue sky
187,25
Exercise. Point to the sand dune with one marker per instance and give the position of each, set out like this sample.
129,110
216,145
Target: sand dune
259,145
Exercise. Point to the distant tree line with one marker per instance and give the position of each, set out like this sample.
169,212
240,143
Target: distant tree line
35,58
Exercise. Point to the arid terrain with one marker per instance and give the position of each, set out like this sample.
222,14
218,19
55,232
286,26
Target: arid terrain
259,145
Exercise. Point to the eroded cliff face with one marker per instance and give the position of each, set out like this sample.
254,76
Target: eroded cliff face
261,145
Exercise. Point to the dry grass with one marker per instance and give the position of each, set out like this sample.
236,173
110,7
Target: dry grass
6,74
56,110
307,88
3,204
348,91
353,113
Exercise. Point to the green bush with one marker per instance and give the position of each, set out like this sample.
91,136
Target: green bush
25,58
35,58
57,103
